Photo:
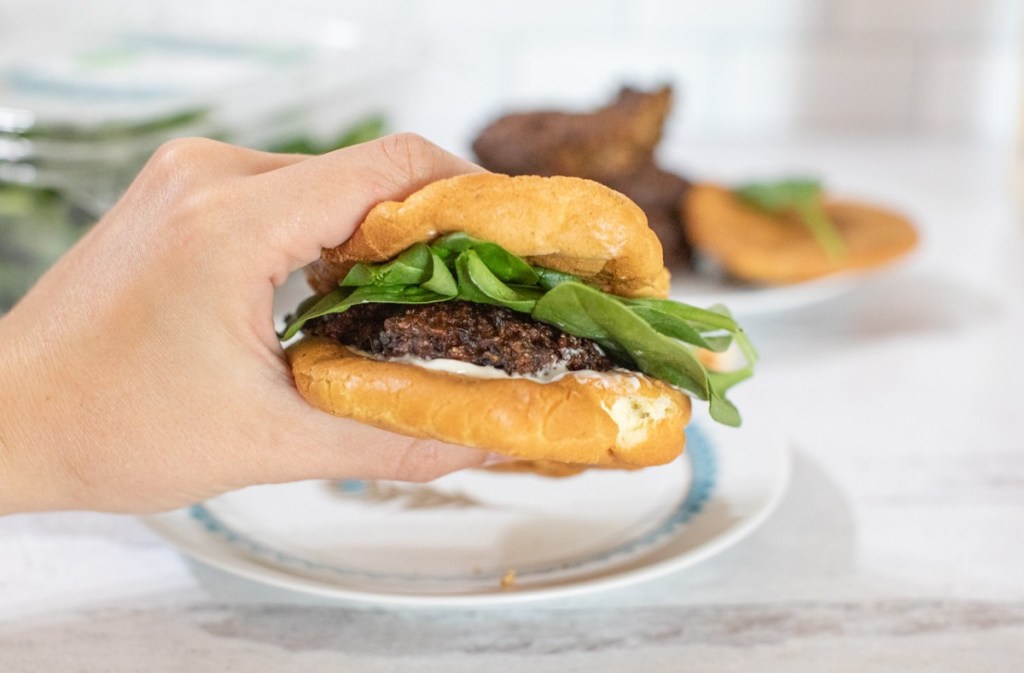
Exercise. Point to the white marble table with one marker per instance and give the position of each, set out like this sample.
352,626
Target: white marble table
899,547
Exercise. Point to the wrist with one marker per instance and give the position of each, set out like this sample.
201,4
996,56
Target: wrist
20,491
30,479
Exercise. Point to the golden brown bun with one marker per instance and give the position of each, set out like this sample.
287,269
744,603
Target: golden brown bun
755,246
567,224
568,420
552,468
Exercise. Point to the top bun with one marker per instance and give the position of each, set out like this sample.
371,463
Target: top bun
572,225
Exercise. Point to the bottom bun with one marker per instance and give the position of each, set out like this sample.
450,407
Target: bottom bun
607,419
553,468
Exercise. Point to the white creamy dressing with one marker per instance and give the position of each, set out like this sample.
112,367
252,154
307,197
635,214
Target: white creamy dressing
458,367
634,415
553,373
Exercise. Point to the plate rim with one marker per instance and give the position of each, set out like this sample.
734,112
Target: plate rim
764,299
220,554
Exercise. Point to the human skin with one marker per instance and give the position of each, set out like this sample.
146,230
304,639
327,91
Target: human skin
142,372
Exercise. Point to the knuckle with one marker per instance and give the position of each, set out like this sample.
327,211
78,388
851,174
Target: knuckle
410,155
183,155
407,144
186,178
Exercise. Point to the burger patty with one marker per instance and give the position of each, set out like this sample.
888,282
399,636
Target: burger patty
481,334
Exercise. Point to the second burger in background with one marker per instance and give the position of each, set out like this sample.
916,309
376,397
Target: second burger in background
790,231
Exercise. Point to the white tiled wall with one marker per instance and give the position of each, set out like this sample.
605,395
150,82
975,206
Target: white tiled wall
744,69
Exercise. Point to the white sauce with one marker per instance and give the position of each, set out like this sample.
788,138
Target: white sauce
635,415
553,373
455,367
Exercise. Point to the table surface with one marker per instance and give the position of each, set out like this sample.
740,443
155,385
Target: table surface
899,545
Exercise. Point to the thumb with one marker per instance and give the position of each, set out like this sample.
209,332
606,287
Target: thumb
315,204
318,203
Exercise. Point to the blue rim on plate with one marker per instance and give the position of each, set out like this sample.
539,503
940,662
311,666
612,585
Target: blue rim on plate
730,484
700,455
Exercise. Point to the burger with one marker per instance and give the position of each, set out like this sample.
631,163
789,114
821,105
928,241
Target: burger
520,315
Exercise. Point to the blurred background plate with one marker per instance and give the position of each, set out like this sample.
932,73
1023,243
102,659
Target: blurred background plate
746,299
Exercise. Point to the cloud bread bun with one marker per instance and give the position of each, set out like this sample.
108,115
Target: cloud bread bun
610,419
755,246
567,224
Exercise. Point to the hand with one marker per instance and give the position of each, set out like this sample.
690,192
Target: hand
142,372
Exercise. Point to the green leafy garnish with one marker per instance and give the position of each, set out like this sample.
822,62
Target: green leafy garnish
362,131
802,197
658,337
118,130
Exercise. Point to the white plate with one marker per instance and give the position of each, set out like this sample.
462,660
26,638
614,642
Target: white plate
744,299
479,537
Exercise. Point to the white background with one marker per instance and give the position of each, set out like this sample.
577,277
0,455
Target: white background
743,69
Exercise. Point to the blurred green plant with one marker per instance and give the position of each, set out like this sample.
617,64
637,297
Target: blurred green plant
363,131
36,227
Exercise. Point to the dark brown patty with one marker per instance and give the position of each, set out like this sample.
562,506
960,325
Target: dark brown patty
481,334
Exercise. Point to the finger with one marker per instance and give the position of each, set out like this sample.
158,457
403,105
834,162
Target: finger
316,445
318,203
189,161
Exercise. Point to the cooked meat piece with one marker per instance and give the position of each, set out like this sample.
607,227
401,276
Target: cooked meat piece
481,334
660,194
613,145
614,140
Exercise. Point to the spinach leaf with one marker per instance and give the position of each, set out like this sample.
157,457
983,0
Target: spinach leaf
587,312
412,267
449,246
548,278
656,336
441,280
504,265
314,309
342,299
479,283
671,326
801,196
